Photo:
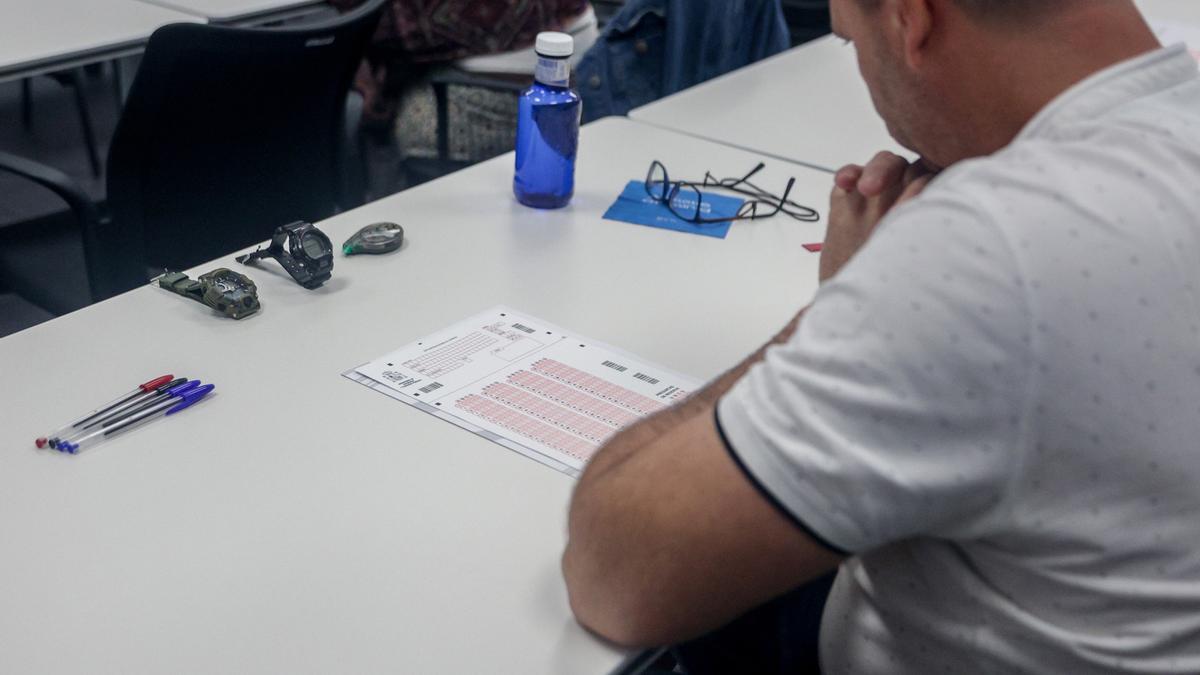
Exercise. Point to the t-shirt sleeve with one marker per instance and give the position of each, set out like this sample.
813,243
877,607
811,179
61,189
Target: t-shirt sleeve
896,409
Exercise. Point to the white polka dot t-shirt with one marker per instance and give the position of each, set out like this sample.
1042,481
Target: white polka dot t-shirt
995,407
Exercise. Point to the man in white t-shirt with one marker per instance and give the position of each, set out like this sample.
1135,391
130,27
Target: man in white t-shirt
989,417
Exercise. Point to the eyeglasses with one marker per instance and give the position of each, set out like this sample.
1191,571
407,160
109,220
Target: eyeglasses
685,200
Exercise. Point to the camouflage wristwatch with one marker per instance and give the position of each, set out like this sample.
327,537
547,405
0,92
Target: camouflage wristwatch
226,291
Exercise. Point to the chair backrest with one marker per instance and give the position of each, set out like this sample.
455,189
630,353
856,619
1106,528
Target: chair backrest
228,133
88,224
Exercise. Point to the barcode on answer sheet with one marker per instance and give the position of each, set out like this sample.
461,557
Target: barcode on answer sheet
523,328
646,378
431,387
616,366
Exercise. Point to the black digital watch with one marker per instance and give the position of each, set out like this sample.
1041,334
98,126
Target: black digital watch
308,256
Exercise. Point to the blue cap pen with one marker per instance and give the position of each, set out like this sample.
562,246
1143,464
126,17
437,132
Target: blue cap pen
141,390
134,404
181,401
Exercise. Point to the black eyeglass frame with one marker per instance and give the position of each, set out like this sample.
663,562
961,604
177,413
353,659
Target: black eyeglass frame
667,192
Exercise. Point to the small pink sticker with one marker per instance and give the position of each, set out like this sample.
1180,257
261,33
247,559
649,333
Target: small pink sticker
813,248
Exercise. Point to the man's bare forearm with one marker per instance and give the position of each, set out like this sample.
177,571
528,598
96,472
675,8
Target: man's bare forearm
627,441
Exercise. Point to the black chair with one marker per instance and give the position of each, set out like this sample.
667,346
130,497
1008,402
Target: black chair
55,264
419,170
74,79
228,133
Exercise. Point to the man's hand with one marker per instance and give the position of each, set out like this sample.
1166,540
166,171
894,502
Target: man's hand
862,196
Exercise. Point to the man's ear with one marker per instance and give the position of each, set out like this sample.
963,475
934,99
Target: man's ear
915,23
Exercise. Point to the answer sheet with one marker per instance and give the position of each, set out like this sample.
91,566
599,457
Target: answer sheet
526,384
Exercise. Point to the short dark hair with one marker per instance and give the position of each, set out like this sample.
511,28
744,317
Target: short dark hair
997,9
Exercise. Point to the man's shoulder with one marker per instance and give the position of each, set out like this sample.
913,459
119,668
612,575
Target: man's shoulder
1042,184
1039,170
1140,149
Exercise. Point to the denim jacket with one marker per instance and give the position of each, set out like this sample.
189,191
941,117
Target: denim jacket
654,48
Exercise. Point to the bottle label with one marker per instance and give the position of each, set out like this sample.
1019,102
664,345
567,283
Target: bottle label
552,72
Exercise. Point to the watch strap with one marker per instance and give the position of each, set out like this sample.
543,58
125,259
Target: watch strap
180,284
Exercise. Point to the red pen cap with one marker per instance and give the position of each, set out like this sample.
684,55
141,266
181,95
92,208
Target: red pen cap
156,383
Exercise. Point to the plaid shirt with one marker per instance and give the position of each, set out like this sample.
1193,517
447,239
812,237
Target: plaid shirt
435,31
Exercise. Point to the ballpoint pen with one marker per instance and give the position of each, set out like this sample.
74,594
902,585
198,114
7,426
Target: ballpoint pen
161,409
141,390
173,388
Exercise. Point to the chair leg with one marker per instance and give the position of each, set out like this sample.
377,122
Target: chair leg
85,121
118,83
27,102
352,159
442,97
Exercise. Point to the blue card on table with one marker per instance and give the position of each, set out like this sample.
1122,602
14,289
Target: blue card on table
635,206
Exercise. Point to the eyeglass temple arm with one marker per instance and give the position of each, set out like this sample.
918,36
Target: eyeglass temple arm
710,179
786,193
747,177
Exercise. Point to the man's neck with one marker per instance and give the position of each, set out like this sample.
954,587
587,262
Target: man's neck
1020,73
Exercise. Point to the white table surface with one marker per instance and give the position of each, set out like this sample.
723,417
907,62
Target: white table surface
298,522
807,105
1187,11
38,36
235,11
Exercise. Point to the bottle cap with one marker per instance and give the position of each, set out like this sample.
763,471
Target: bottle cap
555,45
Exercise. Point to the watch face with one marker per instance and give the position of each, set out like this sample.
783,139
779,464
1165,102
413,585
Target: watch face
230,293
314,247
227,281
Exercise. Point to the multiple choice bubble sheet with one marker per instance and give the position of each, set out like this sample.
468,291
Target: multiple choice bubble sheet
526,384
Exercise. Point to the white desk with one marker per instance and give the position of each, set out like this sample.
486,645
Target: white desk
241,11
807,105
40,36
1175,21
1187,11
297,522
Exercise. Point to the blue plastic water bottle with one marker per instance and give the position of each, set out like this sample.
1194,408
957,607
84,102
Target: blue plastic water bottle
548,128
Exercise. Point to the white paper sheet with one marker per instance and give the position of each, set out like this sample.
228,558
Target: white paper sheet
526,384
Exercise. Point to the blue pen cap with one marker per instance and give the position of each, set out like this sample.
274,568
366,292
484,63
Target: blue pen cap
191,397
183,388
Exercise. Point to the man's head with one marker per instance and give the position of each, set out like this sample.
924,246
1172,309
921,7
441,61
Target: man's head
958,78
